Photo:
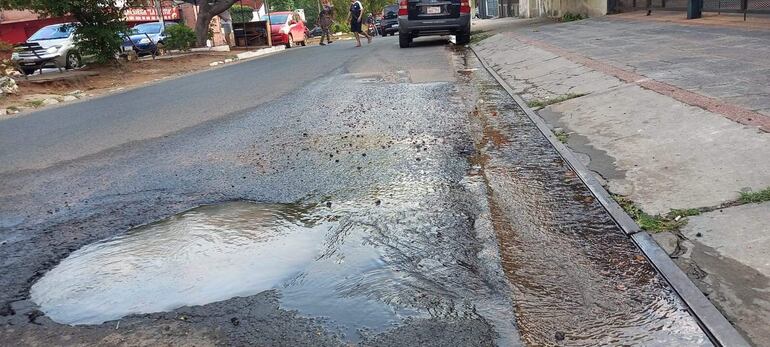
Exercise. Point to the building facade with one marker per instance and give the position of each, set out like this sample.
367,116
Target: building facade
17,26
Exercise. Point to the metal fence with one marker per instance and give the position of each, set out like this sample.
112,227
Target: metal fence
727,6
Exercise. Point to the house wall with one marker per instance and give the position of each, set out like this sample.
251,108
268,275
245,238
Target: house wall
557,8
17,26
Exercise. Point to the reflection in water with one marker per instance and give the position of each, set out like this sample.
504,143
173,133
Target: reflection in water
207,254
360,265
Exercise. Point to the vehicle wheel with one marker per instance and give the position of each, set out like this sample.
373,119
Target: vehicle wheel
290,43
73,60
404,40
303,43
463,37
28,70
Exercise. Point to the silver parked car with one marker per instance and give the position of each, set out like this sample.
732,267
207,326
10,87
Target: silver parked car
434,17
51,46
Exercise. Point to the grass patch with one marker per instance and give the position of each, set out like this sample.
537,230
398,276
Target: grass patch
561,135
657,223
12,108
571,17
683,213
754,197
34,103
545,102
479,36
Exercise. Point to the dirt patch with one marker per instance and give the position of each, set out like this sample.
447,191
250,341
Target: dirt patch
111,78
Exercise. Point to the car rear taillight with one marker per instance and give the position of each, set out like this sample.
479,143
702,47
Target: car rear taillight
465,6
403,8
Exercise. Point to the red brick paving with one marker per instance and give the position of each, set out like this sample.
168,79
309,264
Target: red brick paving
730,111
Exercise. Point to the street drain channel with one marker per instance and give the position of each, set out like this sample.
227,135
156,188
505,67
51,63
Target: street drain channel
208,254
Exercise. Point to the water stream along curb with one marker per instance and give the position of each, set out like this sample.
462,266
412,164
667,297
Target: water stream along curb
713,323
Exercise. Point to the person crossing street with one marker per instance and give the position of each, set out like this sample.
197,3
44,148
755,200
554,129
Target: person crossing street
356,18
325,21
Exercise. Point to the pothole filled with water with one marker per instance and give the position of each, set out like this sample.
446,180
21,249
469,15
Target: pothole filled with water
344,264
365,264
208,254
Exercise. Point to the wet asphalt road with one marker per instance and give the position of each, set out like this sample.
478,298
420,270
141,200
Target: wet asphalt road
474,230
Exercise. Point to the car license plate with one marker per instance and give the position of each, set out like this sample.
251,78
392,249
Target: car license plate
434,10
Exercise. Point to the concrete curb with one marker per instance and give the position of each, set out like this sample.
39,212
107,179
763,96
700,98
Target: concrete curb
713,323
259,52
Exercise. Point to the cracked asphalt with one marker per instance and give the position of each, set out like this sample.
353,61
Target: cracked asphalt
480,230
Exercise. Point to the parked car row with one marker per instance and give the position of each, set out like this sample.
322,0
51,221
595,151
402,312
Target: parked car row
54,46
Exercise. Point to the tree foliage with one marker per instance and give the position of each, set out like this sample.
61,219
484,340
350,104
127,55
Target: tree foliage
99,27
179,37
311,10
241,14
281,5
342,8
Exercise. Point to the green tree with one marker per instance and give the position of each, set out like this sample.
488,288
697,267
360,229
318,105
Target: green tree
311,10
99,26
241,14
281,5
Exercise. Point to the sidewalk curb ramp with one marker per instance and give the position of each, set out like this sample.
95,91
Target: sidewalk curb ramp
713,323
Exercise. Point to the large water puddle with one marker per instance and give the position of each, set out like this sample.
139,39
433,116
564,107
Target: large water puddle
214,253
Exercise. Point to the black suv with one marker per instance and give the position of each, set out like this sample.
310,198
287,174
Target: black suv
389,22
434,17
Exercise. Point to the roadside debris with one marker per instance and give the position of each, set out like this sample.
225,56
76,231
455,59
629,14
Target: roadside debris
8,86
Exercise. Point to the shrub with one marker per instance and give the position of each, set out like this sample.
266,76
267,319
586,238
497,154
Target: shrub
241,14
341,28
179,37
570,17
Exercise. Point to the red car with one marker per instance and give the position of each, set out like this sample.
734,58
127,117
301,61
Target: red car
286,28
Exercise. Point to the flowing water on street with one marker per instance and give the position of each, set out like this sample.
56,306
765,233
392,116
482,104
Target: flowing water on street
363,265
576,277
446,215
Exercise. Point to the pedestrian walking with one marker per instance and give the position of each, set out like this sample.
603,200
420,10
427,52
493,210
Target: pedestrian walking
326,20
356,18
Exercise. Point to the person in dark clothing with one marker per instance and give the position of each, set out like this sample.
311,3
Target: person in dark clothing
356,18
325,21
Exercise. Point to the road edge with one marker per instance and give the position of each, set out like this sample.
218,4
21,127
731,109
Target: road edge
152,83
711,321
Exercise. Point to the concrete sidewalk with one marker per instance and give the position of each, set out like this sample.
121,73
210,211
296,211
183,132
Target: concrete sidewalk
670,117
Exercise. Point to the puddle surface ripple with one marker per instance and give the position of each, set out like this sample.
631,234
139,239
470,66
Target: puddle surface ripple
208,254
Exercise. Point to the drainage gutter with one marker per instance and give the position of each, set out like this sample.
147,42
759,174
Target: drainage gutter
713,323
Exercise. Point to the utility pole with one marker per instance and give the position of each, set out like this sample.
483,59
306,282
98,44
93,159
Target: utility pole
159,11
269,25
